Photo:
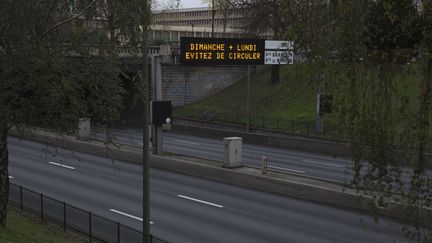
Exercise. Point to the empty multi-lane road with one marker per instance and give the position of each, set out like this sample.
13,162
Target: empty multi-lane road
184,208
299,163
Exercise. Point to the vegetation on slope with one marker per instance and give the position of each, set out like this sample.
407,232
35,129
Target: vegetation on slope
23,228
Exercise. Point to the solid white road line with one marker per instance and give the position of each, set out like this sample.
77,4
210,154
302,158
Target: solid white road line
200,201
187,142
291,170
11,177
128,215
64,166
321,163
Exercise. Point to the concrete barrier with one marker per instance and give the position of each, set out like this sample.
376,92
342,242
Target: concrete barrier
297,143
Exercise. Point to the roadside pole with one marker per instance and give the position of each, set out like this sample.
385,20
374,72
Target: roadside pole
157,96
146,160
319,123
248,101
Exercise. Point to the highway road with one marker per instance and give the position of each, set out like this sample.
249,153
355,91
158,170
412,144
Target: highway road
184,208
289,161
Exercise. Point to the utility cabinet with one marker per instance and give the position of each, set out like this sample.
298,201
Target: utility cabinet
84,130
233,152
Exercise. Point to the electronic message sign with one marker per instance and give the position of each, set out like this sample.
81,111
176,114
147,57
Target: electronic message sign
221,51
278,52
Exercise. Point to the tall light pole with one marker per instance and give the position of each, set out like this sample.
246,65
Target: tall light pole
145,95
248,118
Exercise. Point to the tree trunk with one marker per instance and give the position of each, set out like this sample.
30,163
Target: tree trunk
275,68
225,19
274,74
4,176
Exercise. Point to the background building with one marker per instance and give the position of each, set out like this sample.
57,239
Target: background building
169,25
231,18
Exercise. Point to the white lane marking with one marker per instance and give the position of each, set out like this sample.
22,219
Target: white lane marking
321,163
11,177
128,215
187,142
291,170
200,201
64,166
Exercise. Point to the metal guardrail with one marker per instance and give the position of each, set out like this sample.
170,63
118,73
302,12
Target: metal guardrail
75,219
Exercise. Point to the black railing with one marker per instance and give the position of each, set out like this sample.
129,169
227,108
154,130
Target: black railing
292,127
75,219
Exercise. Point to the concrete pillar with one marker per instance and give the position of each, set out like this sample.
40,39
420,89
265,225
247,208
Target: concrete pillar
264,165
319,128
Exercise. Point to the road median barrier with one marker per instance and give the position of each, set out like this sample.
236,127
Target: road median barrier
339,149
272,182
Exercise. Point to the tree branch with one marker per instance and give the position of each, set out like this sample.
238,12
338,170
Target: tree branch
51,10
71,18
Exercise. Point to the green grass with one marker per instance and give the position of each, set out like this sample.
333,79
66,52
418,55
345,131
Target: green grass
292,99
288,99
289,105
25,228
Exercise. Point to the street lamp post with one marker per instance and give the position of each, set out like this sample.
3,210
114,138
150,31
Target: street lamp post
248,100
145,97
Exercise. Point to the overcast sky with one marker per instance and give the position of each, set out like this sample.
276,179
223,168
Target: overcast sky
169,4
192,4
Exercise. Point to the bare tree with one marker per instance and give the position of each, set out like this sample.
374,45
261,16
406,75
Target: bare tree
269,19
224,6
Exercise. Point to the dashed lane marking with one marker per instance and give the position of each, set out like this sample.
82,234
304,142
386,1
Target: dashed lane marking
61,165
128,215
200,201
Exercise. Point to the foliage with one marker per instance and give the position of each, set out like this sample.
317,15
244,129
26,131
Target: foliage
391,25
266,18
51,79
58,62
354,49
122,19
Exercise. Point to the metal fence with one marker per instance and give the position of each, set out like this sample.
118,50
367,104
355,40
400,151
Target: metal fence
293,127
95,227
256,121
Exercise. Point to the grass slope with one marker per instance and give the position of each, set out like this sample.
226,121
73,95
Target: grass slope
294,97
26,228
289,99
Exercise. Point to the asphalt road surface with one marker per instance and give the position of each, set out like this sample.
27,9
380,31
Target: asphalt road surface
289,161
184,208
